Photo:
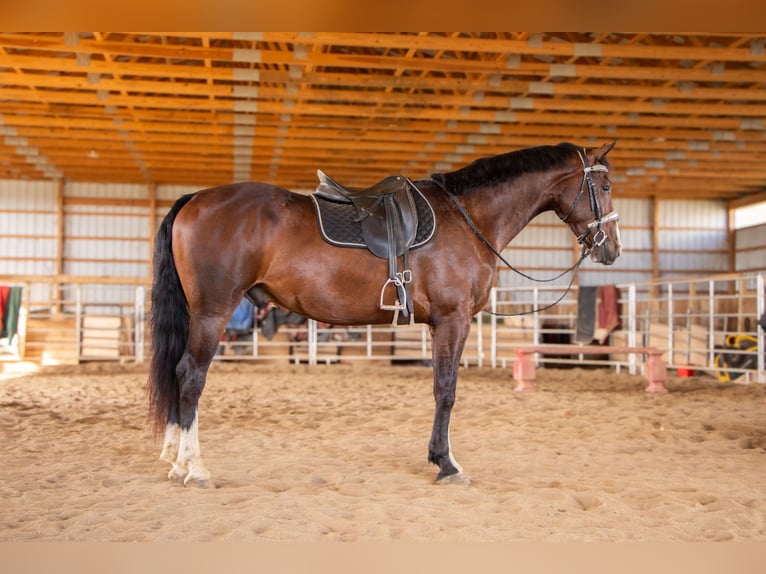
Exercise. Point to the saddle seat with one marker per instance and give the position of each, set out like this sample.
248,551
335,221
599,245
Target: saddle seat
331,189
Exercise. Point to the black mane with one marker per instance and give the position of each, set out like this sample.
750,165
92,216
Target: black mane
499,168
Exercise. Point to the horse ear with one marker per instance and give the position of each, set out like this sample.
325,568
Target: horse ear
604,149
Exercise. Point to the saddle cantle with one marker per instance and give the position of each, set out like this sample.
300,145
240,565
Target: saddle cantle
388,219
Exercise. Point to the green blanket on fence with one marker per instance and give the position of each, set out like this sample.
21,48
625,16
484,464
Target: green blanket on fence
10,303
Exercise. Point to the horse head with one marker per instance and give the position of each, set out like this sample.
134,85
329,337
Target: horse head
585,204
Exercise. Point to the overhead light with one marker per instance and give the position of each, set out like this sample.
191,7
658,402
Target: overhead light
93,154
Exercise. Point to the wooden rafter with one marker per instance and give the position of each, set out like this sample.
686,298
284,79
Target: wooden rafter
204,108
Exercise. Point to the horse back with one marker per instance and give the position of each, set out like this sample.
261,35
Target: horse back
241,210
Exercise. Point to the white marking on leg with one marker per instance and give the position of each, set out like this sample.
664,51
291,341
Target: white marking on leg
170,446
189,454
449,452
170,452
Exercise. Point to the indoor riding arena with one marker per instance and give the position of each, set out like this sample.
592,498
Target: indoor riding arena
601,317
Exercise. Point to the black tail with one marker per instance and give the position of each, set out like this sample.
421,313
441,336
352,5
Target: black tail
170,324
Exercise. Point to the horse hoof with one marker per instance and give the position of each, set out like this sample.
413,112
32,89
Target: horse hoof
173,476
204,483
457,478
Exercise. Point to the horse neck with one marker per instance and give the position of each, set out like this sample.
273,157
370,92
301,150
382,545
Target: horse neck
502,210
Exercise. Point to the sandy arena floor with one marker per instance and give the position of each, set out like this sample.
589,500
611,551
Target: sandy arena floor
339,453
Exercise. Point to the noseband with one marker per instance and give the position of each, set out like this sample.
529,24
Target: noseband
594,227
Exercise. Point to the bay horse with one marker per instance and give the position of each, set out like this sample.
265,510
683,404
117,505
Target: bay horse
220,244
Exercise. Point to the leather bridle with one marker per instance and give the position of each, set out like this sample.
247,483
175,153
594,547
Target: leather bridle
596,226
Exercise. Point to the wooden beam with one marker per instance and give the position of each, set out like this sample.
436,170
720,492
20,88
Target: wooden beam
220,80
32,115
198,95
579,115
731,235
381,42
60,236
655,207
152,226
538,46
346,87
748,200
153,107
185,54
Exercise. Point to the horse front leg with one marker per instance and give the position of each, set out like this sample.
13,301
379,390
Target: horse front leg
448,341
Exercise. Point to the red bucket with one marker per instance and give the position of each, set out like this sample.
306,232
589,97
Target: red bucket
686,371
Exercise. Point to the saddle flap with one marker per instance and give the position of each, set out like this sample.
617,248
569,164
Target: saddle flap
391,224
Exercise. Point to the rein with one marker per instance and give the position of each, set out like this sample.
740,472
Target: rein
576,267
598,238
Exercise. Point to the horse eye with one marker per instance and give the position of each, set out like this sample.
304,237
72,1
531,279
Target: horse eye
607,187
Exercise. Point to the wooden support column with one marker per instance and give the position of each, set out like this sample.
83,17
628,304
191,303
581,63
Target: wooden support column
655,237
655,206
56,287
152,225
732,241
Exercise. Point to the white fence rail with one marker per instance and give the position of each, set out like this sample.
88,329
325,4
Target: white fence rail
707,325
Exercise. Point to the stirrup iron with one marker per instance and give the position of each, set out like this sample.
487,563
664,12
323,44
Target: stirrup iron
400,292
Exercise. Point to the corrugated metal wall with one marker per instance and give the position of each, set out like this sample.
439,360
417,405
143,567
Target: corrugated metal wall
169,193
693,237
635,263
543,249
751,248
28,227
108,228
173,192
108,239
106,190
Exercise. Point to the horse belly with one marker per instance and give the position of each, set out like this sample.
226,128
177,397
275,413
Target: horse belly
335,285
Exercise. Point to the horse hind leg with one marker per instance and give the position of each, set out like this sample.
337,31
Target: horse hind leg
183,437
172,438
192,373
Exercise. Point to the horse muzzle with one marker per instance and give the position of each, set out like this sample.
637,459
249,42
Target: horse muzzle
606,254
605,245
